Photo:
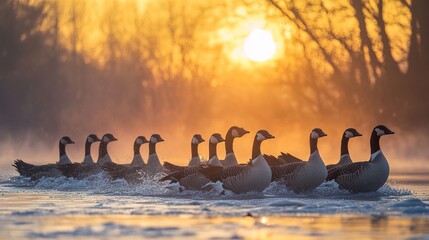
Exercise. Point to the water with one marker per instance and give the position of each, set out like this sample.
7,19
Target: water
98,208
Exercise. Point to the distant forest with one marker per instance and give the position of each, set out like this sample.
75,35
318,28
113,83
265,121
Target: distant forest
162,64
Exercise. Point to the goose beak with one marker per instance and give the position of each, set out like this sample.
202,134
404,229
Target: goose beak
114,139
161,140
390,132
71,142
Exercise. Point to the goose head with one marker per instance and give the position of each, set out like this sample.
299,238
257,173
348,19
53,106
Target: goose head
262,135
66,140
238,131
140,140
92,138
381,130
156,138
216,138
197,139
317,133
351,133
108,137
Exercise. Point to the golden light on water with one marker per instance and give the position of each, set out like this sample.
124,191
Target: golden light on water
259,45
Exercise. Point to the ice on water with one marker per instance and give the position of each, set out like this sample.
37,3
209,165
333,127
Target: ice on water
115,209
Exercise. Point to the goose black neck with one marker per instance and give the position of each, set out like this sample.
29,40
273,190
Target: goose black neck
212,150
136,148
229,140
313,145
375,142
194,150
102,150
87,148
62,149
152,149
344,146
256,149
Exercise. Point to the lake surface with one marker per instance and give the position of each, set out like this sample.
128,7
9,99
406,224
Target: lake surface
98,208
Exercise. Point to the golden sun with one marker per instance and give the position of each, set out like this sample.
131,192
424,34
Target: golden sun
259,45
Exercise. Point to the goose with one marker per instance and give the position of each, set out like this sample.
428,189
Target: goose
103,155
153,163
138,159
92,138
344,155
195,159
80,171
367,176
233,132
215,139
135,174
190,177
87,168
48,170
304,175
132,172
254,176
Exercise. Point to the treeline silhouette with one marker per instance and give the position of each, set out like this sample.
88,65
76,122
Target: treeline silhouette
160,65
364,73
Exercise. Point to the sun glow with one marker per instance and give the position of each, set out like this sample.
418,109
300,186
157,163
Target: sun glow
259,45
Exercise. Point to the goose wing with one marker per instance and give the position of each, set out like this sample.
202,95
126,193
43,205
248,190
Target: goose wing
172,167
289,158
273,161
353,168
180,174
331,167
121,171
27,169
217,173
233,171
22,167
79,170
69,170
286,170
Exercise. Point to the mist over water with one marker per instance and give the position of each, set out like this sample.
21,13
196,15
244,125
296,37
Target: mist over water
402,155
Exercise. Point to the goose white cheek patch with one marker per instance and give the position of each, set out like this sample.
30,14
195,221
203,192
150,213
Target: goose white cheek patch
379,132
195,140
90,140
105,139
314,135
348,134
234,133
63,141
153,140
213,140
260,137
139,141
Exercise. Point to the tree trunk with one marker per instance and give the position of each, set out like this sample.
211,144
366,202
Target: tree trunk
365,41
391,66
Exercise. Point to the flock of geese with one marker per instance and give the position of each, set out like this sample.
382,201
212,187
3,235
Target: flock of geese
227,175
